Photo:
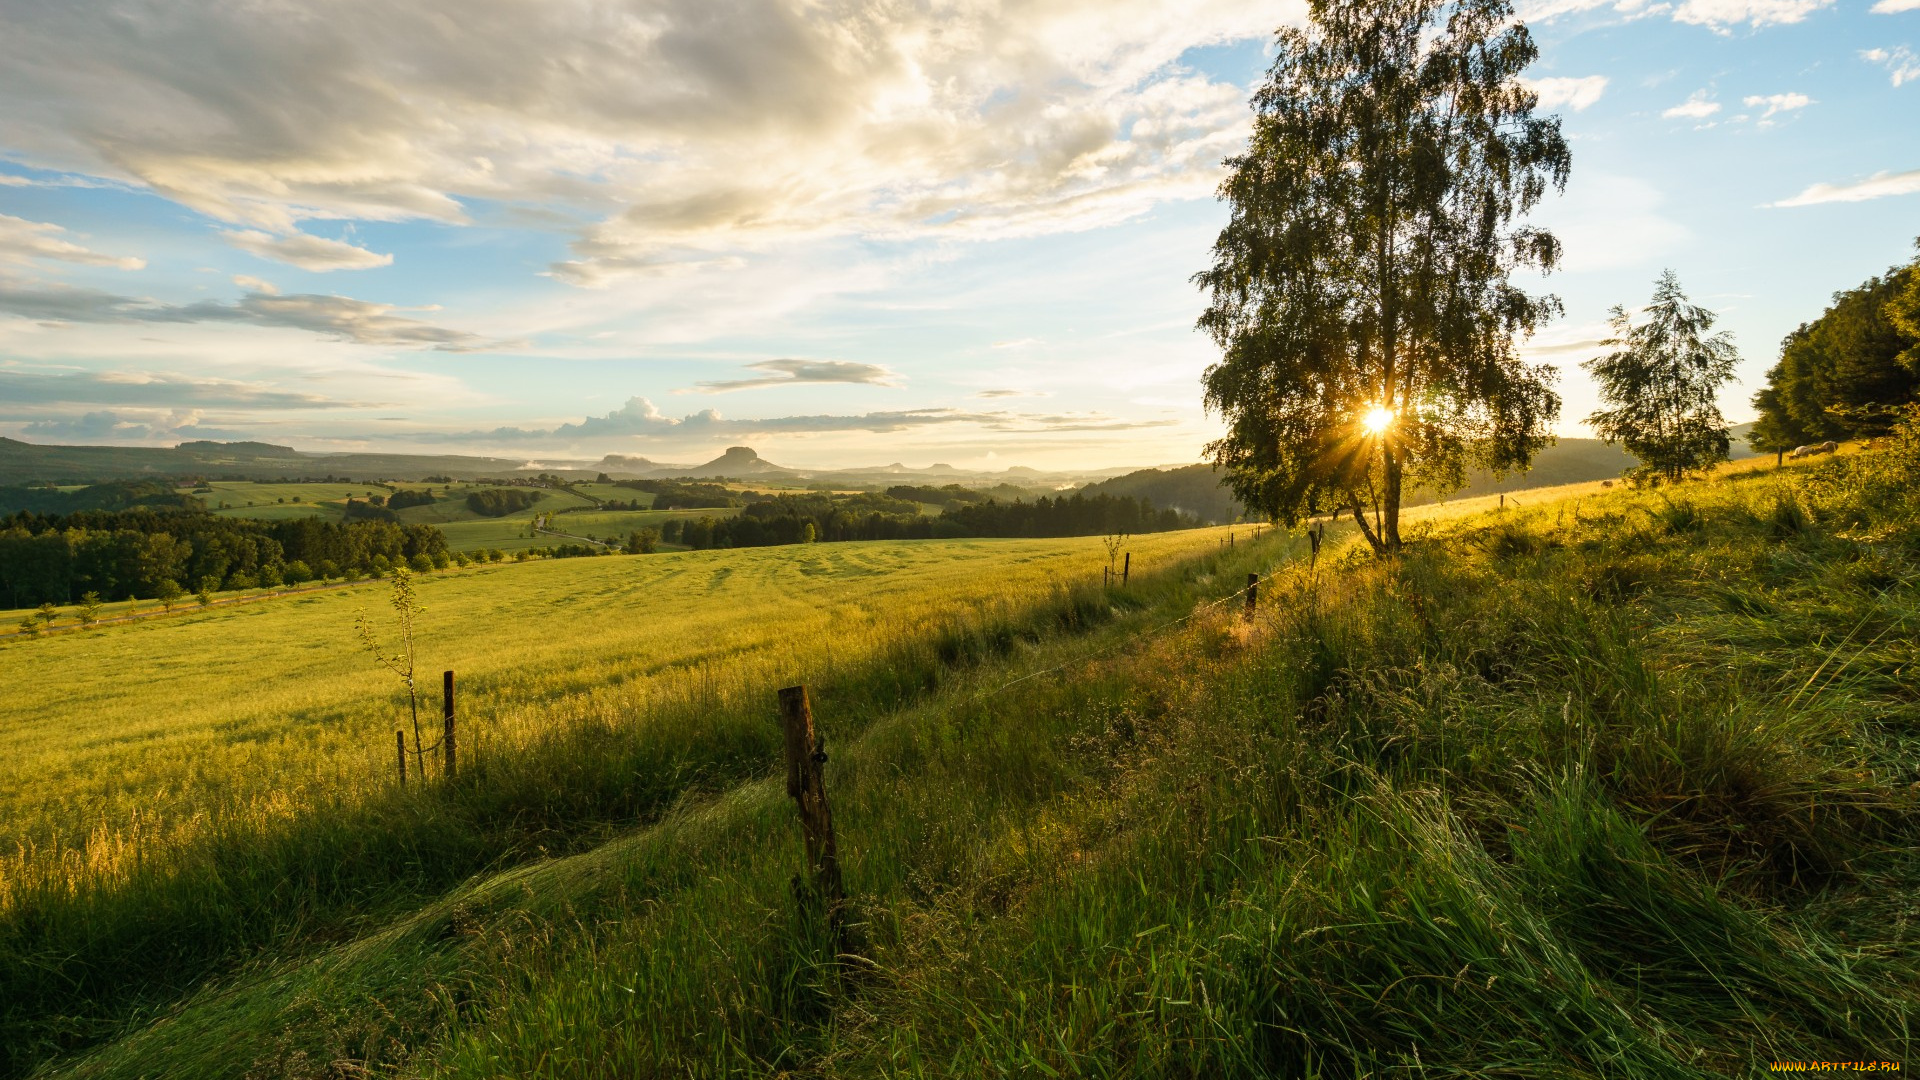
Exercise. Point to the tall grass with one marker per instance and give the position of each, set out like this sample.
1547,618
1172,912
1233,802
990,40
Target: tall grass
1622,792
300,836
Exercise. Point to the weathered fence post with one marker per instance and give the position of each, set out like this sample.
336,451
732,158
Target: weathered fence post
446,736
1253,593
1313,541
804,759
400,741
1126,569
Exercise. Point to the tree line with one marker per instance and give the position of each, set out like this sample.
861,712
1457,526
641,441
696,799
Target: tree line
679,495
1846,374
796,519
125,554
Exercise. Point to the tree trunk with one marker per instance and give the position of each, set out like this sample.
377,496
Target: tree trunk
1390,526
1366,527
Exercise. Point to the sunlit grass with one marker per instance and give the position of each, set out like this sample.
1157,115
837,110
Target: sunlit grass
1617,792
269,707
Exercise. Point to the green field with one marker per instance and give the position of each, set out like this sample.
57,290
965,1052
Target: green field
281,501
82,748
1613,783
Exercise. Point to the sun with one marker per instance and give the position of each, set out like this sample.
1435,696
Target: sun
1377,420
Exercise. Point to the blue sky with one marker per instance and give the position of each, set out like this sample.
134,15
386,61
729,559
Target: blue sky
839,234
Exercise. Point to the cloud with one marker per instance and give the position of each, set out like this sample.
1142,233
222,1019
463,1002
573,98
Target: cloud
151,390
1009,393
1722,14
1895,7
1717,15
114,427
1901,64
1877,186
1696,107
359,321
795,372
1575,92
692,131
254,284
314,253
640,418
22,240
1777,103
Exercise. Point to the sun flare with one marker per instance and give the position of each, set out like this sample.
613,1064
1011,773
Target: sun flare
1377,420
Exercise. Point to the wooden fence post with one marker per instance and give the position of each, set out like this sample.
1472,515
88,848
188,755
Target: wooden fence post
446,736
1126,569
1313,541
1253,593
400,741
804,759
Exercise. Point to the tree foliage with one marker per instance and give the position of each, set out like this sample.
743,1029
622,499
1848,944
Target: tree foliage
134,553
1366,264
1848,373
1662,382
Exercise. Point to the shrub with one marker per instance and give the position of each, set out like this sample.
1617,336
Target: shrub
499,502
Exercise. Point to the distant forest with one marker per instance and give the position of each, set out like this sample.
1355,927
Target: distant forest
120,554
795,519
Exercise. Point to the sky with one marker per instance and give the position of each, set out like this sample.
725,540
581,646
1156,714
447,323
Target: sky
842,233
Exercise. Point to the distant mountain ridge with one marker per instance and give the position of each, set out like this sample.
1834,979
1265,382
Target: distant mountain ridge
1192,488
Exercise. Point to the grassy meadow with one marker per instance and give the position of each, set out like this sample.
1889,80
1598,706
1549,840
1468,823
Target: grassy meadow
1623,783
157,773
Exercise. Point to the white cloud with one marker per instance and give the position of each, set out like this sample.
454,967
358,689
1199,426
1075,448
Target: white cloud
1721,14
22,241
1895,7
341,317
314,253
640,418
254,284
1576,92
795,372
149,389
1777,103
1696,107
1901,63
1877,186
694,131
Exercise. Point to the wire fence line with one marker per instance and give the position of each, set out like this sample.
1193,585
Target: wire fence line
1240,593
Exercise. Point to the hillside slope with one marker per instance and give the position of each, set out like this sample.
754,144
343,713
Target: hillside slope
1622,787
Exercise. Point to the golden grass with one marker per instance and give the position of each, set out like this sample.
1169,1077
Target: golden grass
148,732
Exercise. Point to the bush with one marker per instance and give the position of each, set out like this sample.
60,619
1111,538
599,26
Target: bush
499,502
298,572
